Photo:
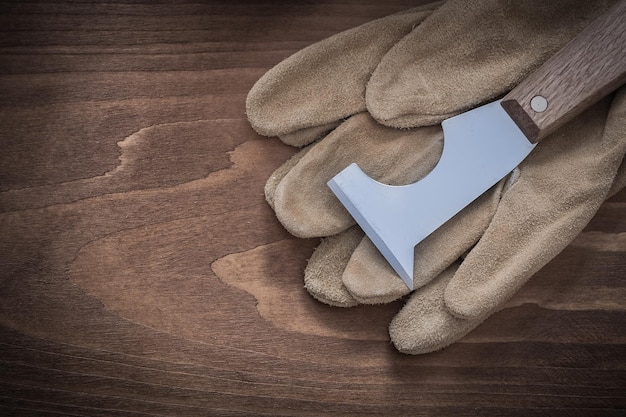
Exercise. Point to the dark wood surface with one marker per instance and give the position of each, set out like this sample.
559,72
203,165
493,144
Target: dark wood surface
142,273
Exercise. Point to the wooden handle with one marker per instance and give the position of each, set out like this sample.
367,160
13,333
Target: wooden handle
589,67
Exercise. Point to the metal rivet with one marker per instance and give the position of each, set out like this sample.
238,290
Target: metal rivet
539,104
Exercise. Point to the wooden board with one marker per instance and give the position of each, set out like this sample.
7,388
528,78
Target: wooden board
127,169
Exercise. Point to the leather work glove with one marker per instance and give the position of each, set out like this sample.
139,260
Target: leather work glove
412,70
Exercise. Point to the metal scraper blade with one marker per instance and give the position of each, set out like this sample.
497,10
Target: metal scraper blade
481,146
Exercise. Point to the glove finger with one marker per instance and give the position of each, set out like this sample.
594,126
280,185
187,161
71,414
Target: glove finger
333,71
279,174
371,280
560,187
620,179
322,276
424,324
308,135
466,53
304,203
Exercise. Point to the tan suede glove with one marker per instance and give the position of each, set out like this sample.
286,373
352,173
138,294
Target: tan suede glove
461,55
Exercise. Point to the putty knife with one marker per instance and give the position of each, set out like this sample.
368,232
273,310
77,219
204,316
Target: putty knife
483,145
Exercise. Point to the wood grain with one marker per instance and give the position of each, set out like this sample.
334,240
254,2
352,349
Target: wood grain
142,273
